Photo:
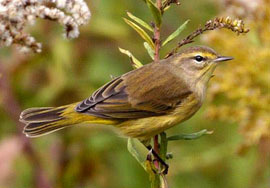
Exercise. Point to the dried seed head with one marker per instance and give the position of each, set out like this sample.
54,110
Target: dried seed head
236,26
16,14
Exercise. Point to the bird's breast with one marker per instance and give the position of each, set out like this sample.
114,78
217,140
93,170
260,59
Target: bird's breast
146,128
186,109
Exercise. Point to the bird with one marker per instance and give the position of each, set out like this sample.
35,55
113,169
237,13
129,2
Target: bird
141,103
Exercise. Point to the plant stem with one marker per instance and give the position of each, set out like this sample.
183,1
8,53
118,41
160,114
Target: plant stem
157,42
159,179
156,58
156,148
157,34
163,146
157,48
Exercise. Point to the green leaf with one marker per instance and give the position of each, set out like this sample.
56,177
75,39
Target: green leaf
191,136
137,150
135,62
175,33
155,12
141,32
149,50
140,21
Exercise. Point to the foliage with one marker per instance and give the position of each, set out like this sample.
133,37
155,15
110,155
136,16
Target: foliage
153,46
240,92
69,71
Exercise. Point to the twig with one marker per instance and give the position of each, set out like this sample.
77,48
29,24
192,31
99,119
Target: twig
157,34
156,148
159,4
157,182
157,43
236,26
156,59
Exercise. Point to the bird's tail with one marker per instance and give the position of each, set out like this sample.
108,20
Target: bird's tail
41,121
45,120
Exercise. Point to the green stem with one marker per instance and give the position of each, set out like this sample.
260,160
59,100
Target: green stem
163,146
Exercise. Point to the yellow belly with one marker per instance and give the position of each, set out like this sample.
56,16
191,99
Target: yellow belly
145,128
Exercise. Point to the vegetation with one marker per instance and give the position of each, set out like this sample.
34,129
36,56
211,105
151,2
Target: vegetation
70,70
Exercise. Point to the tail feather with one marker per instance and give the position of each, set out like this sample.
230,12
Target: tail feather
43,131
34,110
41,114
41,121
45,120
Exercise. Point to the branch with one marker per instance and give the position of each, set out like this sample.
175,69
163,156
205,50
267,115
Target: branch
157,34
156,59
160,179
236,26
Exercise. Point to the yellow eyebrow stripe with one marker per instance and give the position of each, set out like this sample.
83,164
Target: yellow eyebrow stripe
203,54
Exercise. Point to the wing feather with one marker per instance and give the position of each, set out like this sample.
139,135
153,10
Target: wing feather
137,94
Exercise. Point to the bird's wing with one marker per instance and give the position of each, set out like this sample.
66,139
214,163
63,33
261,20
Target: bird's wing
137,94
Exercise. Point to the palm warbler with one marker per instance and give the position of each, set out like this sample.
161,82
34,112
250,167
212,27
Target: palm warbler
140,103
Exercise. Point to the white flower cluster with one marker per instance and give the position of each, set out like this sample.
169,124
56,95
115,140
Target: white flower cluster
16,14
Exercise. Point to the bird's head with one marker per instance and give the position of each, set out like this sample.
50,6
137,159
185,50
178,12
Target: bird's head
199,62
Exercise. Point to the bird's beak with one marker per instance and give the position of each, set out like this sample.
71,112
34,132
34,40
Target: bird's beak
223,58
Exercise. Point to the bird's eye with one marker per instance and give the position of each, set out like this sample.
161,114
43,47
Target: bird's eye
199,58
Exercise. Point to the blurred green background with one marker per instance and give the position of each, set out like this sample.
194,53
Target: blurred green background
96,157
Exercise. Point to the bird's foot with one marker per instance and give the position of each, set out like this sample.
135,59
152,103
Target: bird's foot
158,159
